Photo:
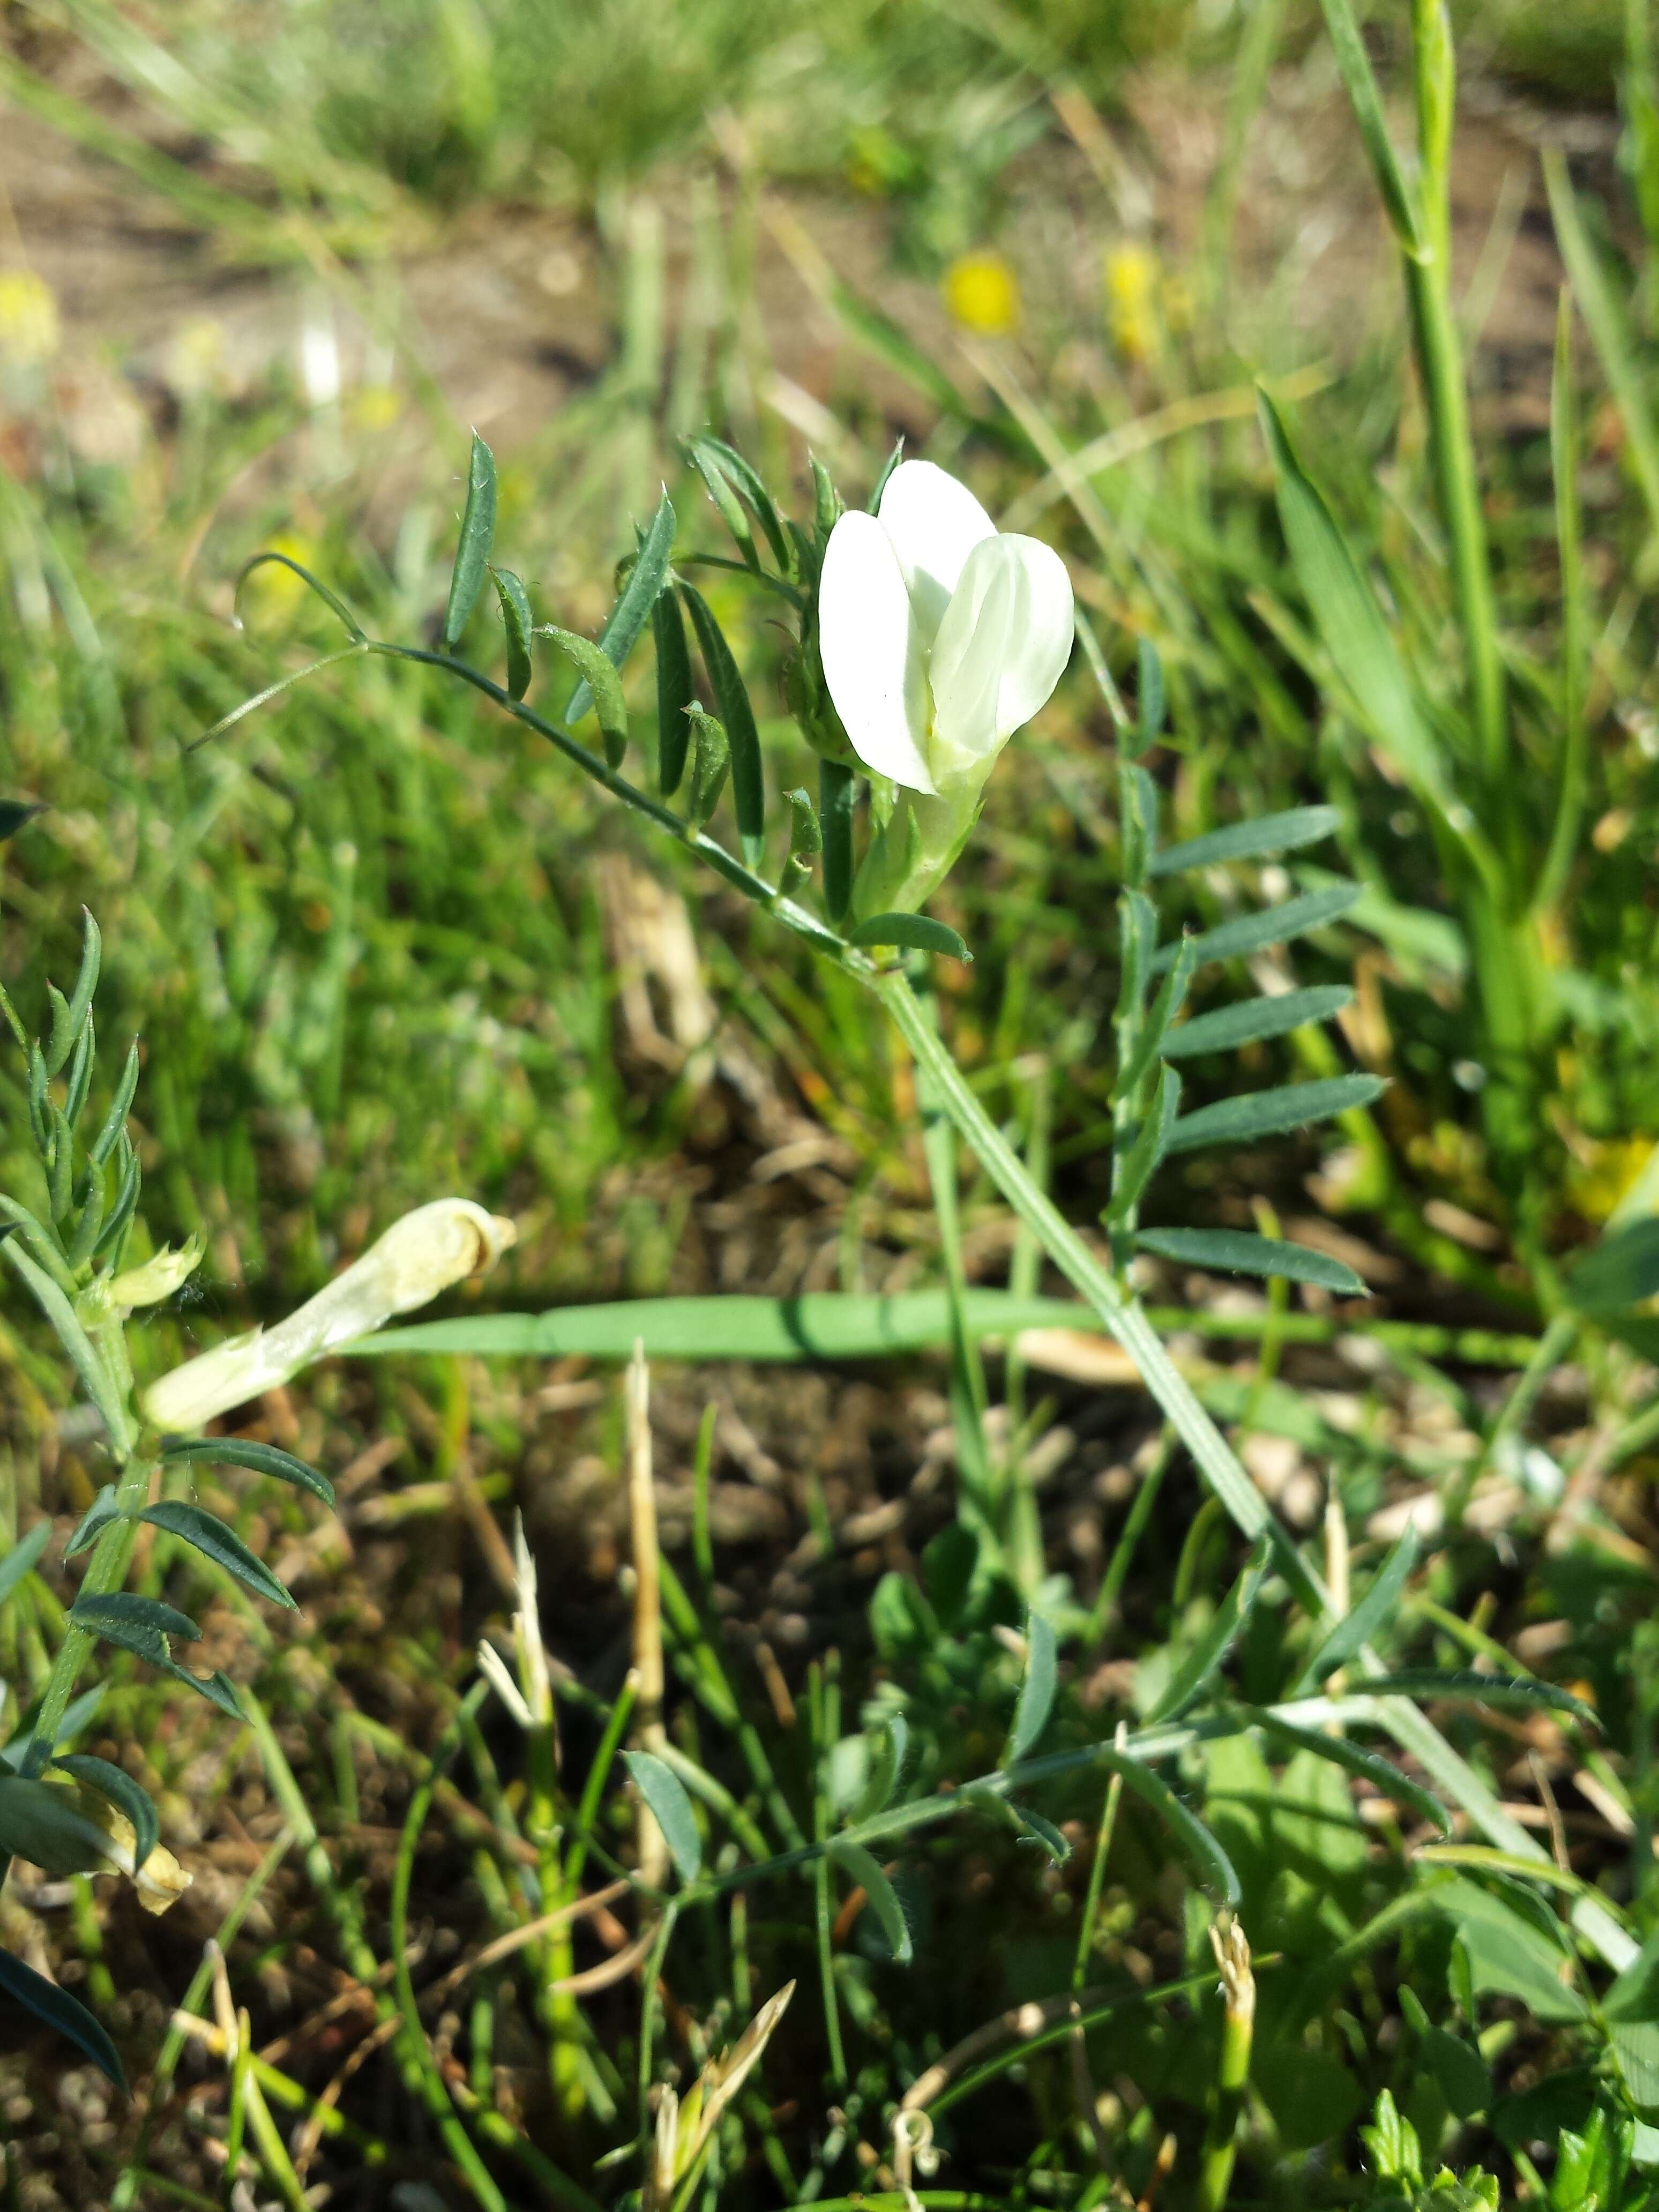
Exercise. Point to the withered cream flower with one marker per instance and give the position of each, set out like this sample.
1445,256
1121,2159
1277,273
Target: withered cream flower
423,1254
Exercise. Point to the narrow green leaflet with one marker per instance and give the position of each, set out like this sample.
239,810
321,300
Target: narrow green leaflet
1248,841
886,1768
854,1860
1619,1271
1351,623
260,1459
1192,1677
1273,1113
93,1522
1036,1690
515,620
1274,925
39,1822
128,1797
1364,1620
674,692
665,1793
138,1624
1136,1167
332,600
739,473
1370,1765
473,549
1255,1020
711,761
1034,1829
57,2010
915,932
211,1536
1188,1830
626,622
602,685
836,794
119,1107
732,696
23,1556
1522,1692
1155,1031
1152,702
1238,1253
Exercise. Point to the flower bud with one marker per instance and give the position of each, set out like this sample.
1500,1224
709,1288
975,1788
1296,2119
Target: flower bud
156,1279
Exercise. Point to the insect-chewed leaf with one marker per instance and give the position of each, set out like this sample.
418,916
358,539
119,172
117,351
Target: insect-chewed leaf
258,1459
674,693
1036,1689
14,812
40,1823
1195,1672
1036,1830
93,1522
1238,1253
627,619
219,1543
1273,1113
1274,925
1254,1019
140,1625
732,695
886,1767
472,548
665,1793
1619,1271
127,1796
1524,1691
1368,1765
601,684
915,932
515,620
57,2010
883,1898
1248,841
23,1556
1359,1625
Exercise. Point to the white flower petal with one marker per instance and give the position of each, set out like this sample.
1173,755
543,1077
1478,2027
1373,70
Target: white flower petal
873,652
934,523
1002,648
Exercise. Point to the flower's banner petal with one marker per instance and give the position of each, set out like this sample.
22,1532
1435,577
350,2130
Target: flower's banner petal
1001,648
872,651
933,523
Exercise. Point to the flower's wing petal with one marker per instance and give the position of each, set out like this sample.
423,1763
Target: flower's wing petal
934,523
1005,641
873,652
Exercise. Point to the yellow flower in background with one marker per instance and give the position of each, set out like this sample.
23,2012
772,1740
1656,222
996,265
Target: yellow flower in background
1600,1178
30,330
373,407
1131,276
982,294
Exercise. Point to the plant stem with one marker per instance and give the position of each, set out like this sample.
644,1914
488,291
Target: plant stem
105,1573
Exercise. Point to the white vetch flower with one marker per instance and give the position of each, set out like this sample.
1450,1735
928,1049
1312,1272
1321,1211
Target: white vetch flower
426,1252
940,636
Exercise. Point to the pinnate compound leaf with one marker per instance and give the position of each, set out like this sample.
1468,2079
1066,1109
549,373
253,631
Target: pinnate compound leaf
1621,1271
1254,1019
22,1557
665,1793
1237,1252
93,1522
57,2010
1362,1622
883,1898
1249,841
1274,925
1196,1671
258,1459
1036,1690
914,933
515,620
472,548
127,1796
215,1540
1273,1113
626,620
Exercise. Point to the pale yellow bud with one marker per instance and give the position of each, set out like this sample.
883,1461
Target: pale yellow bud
157,1278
